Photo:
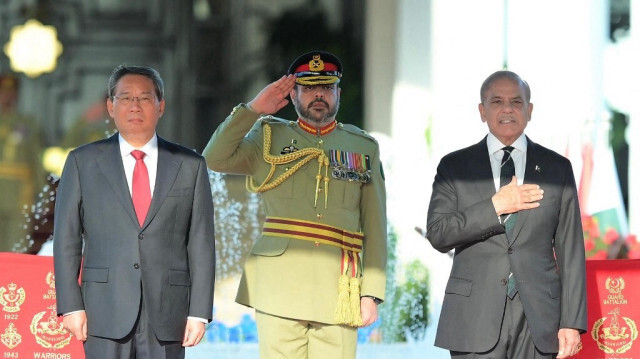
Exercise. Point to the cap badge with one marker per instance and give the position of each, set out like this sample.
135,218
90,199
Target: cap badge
316,64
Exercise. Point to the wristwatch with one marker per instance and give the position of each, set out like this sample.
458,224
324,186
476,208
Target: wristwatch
375,300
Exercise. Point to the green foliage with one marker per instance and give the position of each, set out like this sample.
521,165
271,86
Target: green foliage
388,313
409,308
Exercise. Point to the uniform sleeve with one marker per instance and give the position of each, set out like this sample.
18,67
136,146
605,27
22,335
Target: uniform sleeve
234,146
373,214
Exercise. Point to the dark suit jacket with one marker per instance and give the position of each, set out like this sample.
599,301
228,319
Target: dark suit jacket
546,252
170,259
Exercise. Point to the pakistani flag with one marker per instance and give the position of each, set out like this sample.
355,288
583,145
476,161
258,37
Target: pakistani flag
603,214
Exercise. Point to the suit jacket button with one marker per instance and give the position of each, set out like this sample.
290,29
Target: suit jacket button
504,282
136,266
510,250
140,236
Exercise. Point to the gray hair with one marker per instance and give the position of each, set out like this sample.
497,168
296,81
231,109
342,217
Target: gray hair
146,71
498,75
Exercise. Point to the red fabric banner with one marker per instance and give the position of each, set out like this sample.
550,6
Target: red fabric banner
29,327
613,302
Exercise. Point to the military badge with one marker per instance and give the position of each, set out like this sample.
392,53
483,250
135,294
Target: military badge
316,64
614,285
614,334
350,166
51,292
11,338
48,332
12,299
288,149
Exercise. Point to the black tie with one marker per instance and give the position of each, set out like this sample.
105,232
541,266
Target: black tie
507,171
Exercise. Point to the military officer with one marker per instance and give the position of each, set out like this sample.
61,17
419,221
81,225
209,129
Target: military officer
21,172
317,271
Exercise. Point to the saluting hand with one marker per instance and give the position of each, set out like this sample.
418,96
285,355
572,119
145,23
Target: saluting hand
513,198
273,97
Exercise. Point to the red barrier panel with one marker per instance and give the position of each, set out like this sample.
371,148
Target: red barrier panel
613,304
29,327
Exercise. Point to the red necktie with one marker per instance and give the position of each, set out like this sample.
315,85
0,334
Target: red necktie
141,192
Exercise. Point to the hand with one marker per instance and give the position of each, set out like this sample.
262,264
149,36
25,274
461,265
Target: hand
369,311
273,97
76,323
513,198
193,333
569,340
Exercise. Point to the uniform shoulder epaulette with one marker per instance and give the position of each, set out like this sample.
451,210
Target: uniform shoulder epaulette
275,120
355,130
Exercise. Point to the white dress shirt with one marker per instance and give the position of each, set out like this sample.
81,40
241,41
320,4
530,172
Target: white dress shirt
519,156
150,160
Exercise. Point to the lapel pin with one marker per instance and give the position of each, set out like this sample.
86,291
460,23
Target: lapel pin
537,169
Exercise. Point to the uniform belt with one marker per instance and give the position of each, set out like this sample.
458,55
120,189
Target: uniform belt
314,232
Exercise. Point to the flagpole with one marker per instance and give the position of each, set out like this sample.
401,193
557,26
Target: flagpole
633,130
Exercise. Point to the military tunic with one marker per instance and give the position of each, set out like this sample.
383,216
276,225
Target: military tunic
296,278
21,177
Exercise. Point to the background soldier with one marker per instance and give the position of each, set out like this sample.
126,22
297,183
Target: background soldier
317,271
21,173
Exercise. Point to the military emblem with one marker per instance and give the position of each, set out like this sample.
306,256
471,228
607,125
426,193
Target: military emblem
51,281
11,298
10,338
288,149
316,64
614,285
48,332
614,334
350,166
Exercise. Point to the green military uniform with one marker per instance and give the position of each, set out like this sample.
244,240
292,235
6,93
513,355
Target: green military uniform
298,278
323,242
21,173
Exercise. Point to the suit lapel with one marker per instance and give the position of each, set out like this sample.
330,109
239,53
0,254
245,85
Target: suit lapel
479,167
532,175
110,163
168,168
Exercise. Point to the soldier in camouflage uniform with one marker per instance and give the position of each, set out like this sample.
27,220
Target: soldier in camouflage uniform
317,272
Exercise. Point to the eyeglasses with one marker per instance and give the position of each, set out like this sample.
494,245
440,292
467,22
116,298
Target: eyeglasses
129,100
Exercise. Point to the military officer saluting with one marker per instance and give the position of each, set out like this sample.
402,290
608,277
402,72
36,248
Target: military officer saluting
317,271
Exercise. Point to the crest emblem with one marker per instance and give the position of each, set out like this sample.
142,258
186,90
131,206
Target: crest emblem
10,338
614,334
614,285
316,64
51,280
11,298
48,332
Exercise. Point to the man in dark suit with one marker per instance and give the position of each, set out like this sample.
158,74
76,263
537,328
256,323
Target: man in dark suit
517,285
142,208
